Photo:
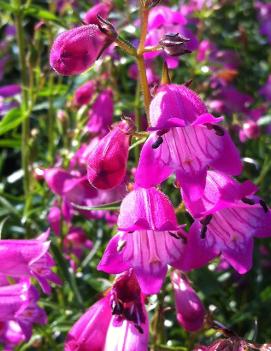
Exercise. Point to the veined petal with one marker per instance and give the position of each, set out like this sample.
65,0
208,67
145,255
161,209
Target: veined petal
147,209
127,337
148,252
152,169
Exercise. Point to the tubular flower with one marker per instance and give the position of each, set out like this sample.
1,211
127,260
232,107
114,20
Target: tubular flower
26,258
148,239
84,93
18,303
101,113
76,50
118,321
190,310
187,141
228,218
106,166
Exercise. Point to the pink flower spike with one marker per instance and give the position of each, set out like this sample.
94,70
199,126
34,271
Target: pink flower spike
106,166
84,93
76,50
190,310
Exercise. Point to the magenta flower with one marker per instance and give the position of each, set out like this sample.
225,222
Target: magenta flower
119,320
84,93
54,218
73,188
102,9
10,90
186,140
26,258
148,239
190,310
101,113
228,219
76,50
18,303
163,20
76,241
106,166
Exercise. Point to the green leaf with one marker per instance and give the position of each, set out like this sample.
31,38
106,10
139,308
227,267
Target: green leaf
40,13
113,206
11,120
66,274
11,143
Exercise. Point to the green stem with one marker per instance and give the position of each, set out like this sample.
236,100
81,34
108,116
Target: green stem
25,105
144,16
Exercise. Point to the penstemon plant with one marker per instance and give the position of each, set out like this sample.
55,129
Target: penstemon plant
138,185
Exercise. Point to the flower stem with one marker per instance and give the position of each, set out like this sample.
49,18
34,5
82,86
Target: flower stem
24,106
144,16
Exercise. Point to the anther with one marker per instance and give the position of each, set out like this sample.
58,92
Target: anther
248,201
139,328
203,232
264,206
157,143
206,220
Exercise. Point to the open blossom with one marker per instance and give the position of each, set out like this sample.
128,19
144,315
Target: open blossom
76,50
189,308
186,140
149,239
116,322
106,166
18,303
29,258
228,218
163,20
101,113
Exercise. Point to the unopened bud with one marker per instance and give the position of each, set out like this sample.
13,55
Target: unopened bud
107,28
174,44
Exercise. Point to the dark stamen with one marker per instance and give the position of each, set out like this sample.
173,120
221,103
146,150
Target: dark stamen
218,130
203,232
117,308
264,206
157,143
139,328
248,201
162,132
206,220
174,235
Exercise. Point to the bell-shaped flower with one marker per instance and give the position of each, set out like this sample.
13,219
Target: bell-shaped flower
18,303
149,239
117,321
228,217
106,166
26,258
189,308
76,50
187,140
101,113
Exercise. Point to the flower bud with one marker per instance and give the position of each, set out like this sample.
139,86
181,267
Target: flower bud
77,49
107,163
190,310
174,44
